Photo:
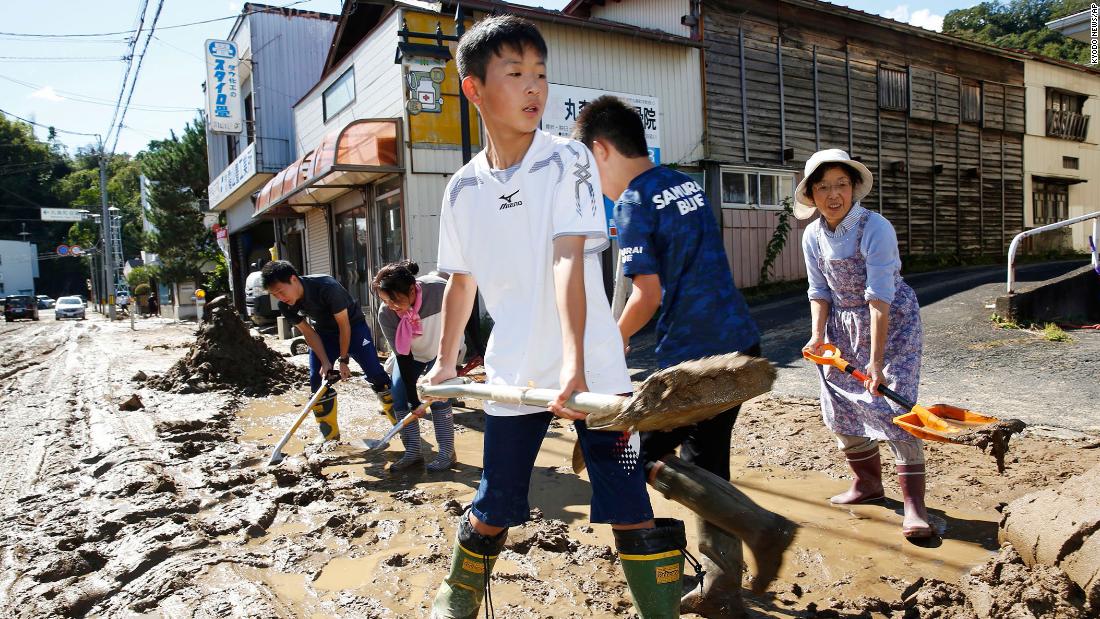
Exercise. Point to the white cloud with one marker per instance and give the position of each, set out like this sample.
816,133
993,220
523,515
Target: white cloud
47,93
899,13
925,18
922,18
234,7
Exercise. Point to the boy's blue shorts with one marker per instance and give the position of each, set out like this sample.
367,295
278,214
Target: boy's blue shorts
619,494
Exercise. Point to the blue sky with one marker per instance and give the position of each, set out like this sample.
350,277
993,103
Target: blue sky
72,83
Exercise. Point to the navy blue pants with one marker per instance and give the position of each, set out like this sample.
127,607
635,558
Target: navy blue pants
361,349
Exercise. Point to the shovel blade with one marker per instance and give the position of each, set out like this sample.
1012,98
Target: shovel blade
941,422
375,444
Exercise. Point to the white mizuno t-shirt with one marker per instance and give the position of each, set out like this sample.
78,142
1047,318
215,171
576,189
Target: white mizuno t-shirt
499,226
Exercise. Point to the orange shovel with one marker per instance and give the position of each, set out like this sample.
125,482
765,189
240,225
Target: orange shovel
939,422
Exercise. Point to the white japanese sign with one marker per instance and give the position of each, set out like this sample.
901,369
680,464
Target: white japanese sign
240,170
564,103
61,214
223,96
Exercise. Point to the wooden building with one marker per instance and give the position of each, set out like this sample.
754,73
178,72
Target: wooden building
938,120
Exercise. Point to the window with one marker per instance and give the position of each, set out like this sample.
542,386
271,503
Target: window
1063,101
756,188
339,95
1064,117
249,119
231,147
1071,163
971,103
1050,202
893,89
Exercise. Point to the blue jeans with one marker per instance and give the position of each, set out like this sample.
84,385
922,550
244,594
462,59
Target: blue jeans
404,389
361,349
619,494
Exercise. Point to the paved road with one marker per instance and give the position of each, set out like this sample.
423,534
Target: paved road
967,361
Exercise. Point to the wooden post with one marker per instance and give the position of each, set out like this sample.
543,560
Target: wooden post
782,99
744,94
817,108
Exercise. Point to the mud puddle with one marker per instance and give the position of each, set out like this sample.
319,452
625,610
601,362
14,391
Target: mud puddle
400,555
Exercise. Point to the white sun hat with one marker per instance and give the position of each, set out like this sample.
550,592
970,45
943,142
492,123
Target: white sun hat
804,206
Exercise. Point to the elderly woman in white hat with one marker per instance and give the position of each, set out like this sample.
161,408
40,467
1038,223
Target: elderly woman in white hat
860,304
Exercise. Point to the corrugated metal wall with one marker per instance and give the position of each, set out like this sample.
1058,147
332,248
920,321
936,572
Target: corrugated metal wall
746,234
318,252
289,57
652,14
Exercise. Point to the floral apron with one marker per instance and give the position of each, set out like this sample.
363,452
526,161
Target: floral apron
846,405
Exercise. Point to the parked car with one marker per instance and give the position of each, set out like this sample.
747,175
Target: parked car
257,302
45,302
69,307
21,306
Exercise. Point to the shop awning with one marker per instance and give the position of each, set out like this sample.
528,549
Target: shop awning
346,159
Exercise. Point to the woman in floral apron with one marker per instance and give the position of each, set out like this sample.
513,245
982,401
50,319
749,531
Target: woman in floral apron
860,304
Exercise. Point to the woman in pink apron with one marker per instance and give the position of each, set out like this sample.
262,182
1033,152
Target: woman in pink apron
860,304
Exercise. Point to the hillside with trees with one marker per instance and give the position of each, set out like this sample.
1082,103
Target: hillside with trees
1020,24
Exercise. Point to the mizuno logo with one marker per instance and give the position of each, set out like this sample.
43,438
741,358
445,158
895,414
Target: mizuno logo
509,202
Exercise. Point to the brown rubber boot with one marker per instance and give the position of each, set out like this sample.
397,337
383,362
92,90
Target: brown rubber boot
719,595
867,485
717,501
911,478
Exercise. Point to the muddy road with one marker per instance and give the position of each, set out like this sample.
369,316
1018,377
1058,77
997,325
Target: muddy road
170,511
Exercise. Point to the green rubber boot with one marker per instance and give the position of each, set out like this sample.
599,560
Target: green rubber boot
653,562
462,591
324,411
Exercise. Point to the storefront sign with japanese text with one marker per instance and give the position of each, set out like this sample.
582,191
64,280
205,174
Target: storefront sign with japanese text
223,96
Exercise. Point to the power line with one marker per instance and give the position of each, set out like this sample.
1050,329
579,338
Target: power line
79,98
137,72
108,34
60,59
31,122
129,65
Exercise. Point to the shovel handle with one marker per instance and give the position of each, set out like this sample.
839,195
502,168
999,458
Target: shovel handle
583,401
832,357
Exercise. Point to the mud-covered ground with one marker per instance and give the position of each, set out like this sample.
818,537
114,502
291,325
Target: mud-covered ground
169,510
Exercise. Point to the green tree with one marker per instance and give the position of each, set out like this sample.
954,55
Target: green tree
29,169
1019,24
176,169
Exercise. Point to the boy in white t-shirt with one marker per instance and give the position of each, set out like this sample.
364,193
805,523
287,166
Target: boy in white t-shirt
523,223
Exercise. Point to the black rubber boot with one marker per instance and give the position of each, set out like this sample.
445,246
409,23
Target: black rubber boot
717,501
718,596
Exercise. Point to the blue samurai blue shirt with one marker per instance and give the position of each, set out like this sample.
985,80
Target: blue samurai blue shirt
666,228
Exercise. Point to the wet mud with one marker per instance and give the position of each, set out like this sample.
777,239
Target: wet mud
226,356
992,439
170,511
688,393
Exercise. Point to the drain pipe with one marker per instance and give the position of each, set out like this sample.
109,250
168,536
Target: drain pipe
1095,217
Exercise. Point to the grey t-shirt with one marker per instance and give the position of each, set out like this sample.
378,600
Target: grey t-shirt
322,297
424,347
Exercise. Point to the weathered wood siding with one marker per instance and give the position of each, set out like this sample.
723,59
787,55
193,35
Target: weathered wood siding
786,77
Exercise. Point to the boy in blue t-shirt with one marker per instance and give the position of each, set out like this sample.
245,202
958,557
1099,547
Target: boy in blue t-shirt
671,248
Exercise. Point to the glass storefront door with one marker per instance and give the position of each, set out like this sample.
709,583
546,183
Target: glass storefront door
352,252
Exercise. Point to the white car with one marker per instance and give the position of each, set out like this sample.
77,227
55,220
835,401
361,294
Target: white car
69,307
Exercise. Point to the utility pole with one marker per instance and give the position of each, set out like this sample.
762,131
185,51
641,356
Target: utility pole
105,228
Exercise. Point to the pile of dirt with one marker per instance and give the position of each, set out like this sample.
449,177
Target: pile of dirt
226,356
1059,527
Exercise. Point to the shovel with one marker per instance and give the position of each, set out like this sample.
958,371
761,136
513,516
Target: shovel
681,395
939,422
277,455
382,443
